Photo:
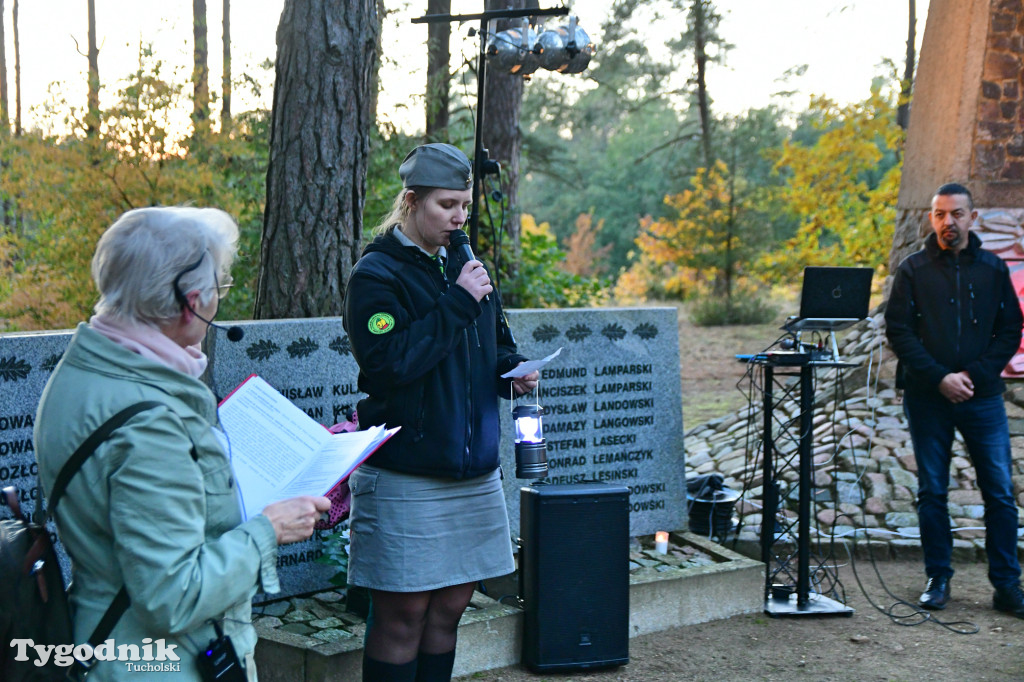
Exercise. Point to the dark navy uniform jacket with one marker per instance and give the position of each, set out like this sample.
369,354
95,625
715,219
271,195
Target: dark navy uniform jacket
430,358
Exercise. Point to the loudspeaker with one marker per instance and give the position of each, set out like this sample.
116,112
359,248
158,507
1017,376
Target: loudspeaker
574,575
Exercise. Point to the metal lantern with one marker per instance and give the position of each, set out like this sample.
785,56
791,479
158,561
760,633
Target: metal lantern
511,51
531,448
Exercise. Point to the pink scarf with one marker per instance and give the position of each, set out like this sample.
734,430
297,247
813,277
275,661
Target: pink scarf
150,343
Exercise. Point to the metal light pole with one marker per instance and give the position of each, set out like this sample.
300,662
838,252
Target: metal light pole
482,165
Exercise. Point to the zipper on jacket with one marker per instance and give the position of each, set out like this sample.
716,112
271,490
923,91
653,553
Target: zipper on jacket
970,302
467,453
418,434
444,278
430,265
956,294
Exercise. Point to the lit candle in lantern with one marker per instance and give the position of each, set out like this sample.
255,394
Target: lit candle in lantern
661,542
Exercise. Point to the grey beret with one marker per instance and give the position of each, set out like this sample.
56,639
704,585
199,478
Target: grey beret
436,165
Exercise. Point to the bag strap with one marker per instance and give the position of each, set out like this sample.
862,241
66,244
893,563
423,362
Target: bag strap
121,601
113,614
85,450
11,497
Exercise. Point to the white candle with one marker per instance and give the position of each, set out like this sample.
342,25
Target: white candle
661,542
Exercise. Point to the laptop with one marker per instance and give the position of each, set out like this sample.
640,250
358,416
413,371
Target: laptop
832,298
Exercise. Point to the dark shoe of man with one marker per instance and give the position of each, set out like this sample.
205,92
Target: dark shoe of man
1009,600
936,594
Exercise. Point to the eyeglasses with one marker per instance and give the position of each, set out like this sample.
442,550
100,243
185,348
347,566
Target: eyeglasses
224,289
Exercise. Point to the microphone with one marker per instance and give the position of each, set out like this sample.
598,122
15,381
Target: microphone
234,332
459,242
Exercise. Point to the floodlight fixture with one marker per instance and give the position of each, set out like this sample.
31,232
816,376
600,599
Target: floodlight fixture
566,49
512,50
521,51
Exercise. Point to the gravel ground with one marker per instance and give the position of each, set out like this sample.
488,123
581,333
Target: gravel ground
864,647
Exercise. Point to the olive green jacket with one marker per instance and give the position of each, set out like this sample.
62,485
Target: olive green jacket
154,509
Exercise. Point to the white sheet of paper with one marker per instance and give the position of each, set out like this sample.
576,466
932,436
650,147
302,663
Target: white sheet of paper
342,448
529,366
278,451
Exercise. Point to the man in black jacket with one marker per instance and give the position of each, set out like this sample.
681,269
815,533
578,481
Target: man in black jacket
954,321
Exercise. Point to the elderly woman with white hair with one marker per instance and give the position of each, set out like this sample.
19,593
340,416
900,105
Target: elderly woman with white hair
155,509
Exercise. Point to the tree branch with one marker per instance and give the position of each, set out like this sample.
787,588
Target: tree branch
646,155
77,48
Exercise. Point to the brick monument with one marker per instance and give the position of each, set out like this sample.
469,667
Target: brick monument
967,123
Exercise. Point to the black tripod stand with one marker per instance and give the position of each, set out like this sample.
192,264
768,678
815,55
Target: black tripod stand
782,598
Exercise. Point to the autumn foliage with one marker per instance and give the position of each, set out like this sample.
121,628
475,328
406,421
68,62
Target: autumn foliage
846,207
839,186
700,244
61,192
824,192
583,257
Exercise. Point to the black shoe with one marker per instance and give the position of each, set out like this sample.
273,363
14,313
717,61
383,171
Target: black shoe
936,594
1009,600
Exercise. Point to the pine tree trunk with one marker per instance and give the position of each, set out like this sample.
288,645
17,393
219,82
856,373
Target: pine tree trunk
200,70
503,139
903,112
438,81
5,121
17,71
378,19
92,116
319,147
701,57
225,81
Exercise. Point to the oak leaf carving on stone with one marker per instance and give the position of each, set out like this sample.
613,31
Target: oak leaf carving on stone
545,332
613,331
578,332
303,347
341,345
646,331
13,369
262,350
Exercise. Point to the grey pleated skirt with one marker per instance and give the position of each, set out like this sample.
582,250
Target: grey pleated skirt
416,533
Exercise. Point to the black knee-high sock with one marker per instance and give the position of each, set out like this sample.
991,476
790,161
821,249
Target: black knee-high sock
435,667
378,671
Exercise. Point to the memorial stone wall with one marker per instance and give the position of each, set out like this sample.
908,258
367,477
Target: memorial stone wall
612,400
613,407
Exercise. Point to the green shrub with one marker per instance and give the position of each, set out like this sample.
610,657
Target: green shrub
336,554
541,283
717,311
